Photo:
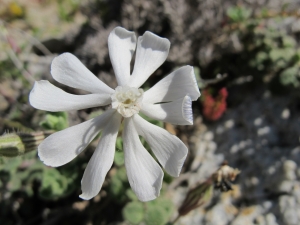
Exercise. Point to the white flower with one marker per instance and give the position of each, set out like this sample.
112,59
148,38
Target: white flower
169,100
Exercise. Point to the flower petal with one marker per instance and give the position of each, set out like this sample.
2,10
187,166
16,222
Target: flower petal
152,51
67,69
176,85
121,45
63,146
178,112
143,172
168,149
46,96
102,159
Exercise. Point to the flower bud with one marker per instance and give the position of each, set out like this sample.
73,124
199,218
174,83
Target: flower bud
16,144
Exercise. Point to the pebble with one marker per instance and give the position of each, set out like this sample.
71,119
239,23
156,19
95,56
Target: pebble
285,114
258,121
263,131
229,124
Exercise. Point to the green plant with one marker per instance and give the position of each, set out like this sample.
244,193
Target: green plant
290,76
55,121
133,212
56,183
268,53
238,13
156,215
156,212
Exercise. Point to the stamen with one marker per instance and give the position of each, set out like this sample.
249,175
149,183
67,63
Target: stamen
127,100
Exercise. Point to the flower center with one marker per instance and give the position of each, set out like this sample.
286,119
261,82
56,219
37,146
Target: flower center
127,100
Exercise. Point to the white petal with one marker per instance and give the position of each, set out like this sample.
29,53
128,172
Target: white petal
121,45
143,172
102,159
67,69
178,112
176,85
168,149
63,146
151,52
46,96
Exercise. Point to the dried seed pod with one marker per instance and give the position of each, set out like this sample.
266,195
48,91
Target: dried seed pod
224,176
202,193
196,197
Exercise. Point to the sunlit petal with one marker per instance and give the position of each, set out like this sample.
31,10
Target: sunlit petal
143,172
63,146
67,69
46,96
102,159
121,45
151,52
170,151
178,112
176,85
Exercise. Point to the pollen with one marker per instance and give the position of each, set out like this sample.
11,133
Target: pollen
127,102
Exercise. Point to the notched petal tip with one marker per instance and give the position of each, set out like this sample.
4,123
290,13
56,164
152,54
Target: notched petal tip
193,76
44,158
121,46
170,151
155,42
123,34
151,52
34,95
62,58
187,111
37,84
174,86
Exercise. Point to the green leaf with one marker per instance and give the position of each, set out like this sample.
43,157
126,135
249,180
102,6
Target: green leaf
55,121
121,174
53,184
156,215
133,212
290,76
119,144
238,13
131,195
119,158
288,42
285,55
116,187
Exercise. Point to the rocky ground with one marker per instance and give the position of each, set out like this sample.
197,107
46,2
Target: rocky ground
261,138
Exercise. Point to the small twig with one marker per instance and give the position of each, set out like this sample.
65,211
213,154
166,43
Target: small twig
218,78
20,66
32,39
12,55
181,178
177,218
